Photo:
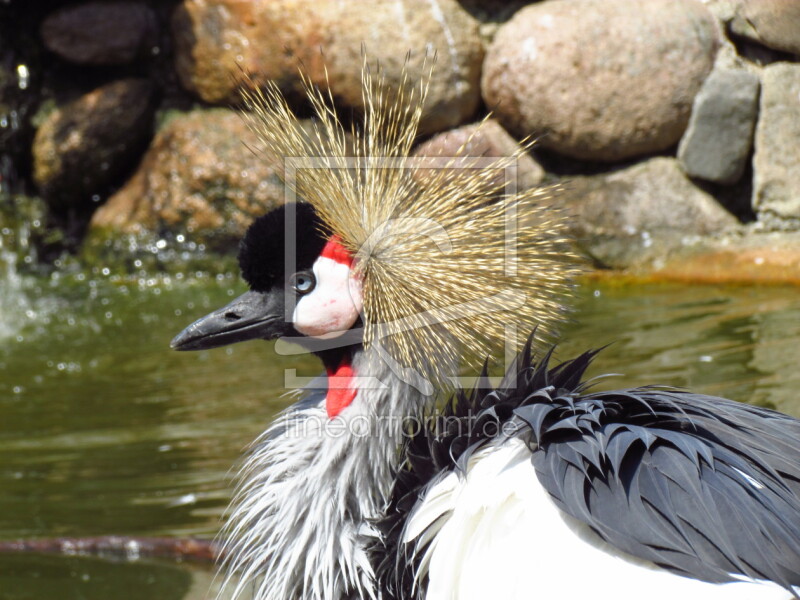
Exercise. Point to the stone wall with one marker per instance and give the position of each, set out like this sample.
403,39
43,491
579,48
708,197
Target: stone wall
673,124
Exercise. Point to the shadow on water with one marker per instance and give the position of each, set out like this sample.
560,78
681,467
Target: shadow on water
104,430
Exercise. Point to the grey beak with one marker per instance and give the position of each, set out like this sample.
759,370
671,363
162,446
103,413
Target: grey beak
253,315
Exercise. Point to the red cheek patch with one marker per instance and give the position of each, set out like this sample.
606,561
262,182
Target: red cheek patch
341,391
335,251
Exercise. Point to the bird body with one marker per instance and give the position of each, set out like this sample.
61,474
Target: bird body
505,538
366,489
603,493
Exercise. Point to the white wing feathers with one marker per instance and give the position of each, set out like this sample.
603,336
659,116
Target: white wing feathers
493,532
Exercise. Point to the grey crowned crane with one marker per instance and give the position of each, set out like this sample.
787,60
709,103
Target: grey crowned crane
370,486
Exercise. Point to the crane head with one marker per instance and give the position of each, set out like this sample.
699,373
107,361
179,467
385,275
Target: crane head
302,284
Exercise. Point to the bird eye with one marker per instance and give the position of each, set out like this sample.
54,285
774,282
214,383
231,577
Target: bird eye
303,282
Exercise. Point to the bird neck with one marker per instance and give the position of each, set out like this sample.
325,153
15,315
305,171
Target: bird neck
300,523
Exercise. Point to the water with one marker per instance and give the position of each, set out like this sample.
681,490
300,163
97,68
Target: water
104,430
20,303
13,302
15,305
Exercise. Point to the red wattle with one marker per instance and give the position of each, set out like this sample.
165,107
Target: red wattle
341,391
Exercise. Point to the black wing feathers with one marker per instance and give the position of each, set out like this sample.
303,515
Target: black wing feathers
689,482
702,486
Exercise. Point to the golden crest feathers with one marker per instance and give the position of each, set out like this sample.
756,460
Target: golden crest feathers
452,257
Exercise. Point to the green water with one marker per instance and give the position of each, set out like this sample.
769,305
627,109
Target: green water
104,430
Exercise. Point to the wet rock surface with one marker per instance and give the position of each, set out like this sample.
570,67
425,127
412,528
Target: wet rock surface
82,147
600,79
776,190
198,181
633,216
719,138
219,41
749,257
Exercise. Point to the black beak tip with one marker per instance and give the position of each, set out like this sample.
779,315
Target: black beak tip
181,342
253,315
197,336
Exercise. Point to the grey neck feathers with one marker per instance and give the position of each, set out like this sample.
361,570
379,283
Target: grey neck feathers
300,519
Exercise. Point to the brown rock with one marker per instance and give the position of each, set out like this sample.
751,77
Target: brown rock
486,140
600,79
84,146
218,40
101,33
640,213
199,179
773,23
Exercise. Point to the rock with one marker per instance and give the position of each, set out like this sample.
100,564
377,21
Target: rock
101,33
773,23
486,140
199,181
82,147
717,142
600,79
776,185
750,258
217,41
724,10
641,213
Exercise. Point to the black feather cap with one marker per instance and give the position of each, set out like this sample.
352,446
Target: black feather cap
262,251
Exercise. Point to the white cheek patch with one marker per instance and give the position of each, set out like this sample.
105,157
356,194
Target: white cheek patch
334,304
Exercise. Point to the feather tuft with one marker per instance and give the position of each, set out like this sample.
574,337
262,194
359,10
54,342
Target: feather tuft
449,260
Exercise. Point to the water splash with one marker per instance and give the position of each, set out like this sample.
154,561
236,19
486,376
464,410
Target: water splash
20,298
15,306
